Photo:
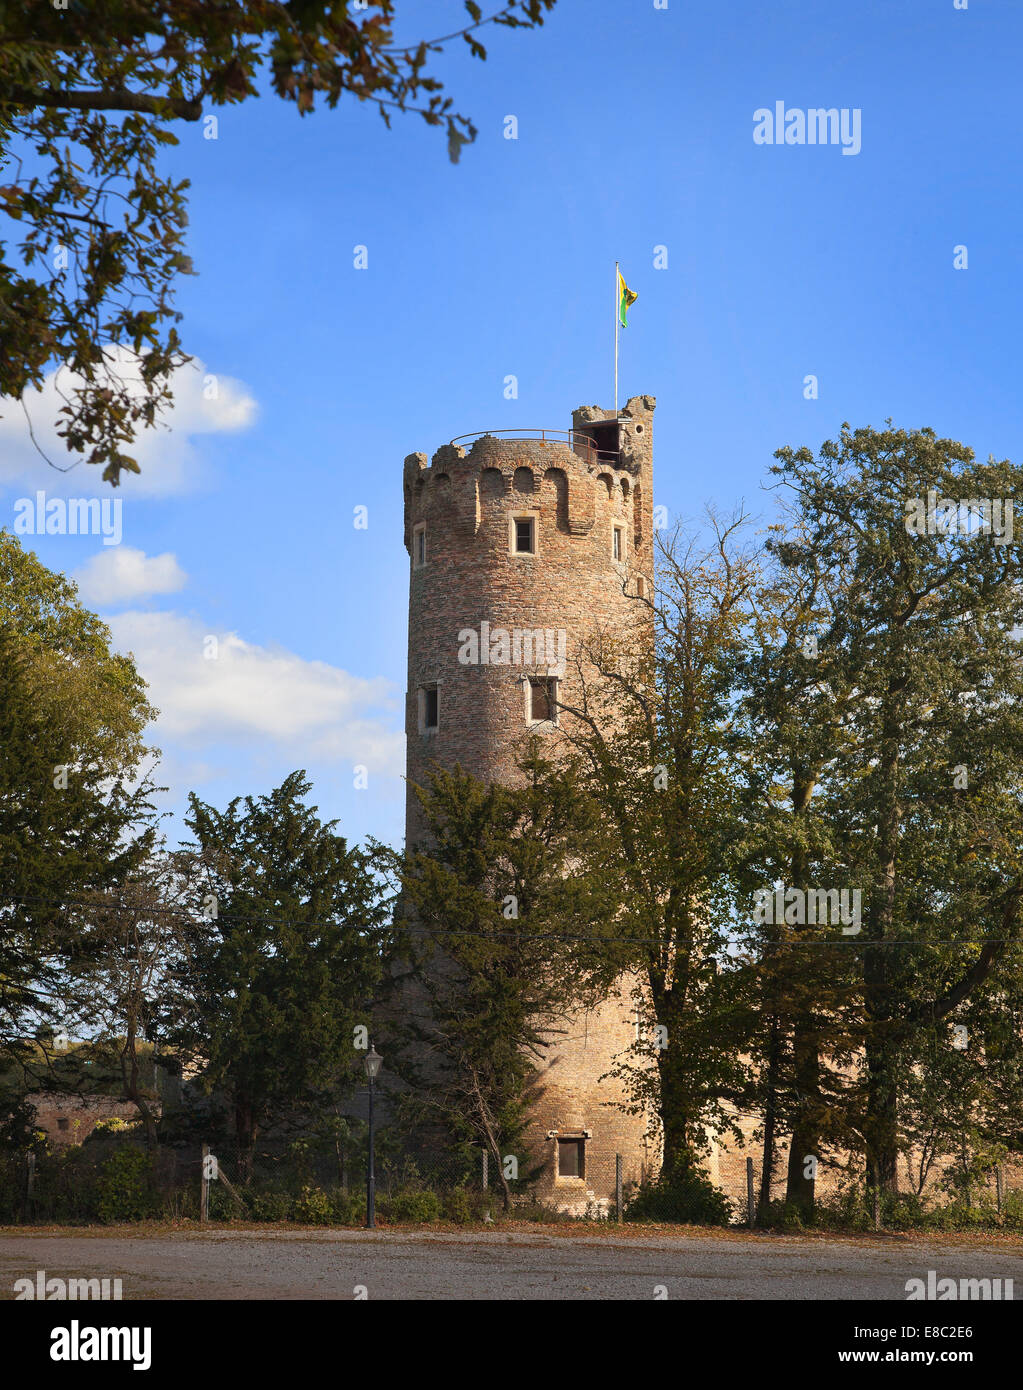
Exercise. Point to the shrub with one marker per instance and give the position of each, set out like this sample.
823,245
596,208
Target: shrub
957,1216
689,1200
902,1211
124,1191
852,1209
115,1124
846,1210
348,1208
1012,1211
789,1218
221,1206
312,1205
410,1205
460,1206
271,1206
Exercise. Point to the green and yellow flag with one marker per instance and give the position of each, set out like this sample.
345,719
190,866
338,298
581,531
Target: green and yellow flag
625,298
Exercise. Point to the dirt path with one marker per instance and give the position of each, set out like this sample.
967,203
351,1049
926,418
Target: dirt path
503,1264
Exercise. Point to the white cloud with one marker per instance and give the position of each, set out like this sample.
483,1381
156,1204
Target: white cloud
204,403
121,574
248,692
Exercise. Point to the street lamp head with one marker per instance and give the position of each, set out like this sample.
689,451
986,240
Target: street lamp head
372,1062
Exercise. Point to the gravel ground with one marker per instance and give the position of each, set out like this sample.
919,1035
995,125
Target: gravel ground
331,1264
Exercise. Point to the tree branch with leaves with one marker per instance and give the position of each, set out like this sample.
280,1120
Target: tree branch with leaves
88,100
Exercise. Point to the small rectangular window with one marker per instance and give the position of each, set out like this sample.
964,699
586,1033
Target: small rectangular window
428,707
524,536
419,547
616,543
542,699
571,1158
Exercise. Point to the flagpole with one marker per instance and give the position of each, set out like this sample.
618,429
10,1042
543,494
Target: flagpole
616,340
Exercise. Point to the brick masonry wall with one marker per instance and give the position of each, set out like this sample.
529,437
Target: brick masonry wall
578,1097
726,1167
466,502
79,1117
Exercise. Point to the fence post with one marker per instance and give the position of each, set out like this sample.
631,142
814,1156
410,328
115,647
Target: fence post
486,1170
30,1182
999,1186
204,1186
751,1209
618,1185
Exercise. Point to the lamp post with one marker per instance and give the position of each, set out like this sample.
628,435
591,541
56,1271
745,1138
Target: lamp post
372,1062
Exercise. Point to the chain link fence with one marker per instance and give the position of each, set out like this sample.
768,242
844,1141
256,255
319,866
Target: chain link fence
114,1178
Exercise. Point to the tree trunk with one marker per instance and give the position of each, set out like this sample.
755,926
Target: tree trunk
882,1109
491,1140
679,1157
677,1106
770,1117
881,1051
800,1188
132,1088
149,1120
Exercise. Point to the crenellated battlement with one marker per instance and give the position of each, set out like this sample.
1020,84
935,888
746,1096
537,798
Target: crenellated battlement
570,480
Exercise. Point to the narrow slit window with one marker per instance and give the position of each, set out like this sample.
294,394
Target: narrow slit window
419,547
525,536
617,542
429,708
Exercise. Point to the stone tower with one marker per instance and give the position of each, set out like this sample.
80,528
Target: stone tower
520,545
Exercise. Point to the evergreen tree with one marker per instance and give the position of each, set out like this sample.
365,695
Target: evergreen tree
283,966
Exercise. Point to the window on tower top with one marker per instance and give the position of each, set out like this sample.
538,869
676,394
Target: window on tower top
419,547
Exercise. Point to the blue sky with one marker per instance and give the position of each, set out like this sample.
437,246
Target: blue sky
635,131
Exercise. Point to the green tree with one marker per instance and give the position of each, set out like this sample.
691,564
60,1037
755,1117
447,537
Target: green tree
89,96
910,717
652,724
285,964
75,814
793,694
